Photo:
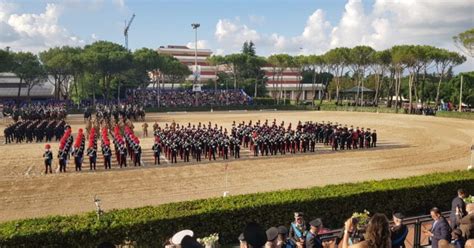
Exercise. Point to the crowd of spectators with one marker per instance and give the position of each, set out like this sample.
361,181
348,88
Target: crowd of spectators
375,231
187,98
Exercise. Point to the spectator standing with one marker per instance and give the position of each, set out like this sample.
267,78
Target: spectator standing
377,234
440,229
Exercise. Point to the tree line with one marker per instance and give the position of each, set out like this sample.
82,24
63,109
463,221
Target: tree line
104,69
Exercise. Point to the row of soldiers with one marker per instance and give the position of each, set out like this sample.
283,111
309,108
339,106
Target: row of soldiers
272,138
38,111
78,151
115,112
196,142
34,131
129,144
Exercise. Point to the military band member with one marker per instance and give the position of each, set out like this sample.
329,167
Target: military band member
236,148
123,156
156,151
374,138
62,157
137,152
92,153
48,159
77,154
107,153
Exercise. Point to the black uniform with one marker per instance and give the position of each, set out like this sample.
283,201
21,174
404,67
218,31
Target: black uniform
92,153
62,156
48,159
156,152
107,155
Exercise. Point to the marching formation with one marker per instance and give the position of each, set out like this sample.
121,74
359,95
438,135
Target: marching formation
210,142
196,141
262,139
117,111
34,131
272,138
36,111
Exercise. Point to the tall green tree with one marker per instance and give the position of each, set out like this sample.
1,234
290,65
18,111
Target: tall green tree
215,61
338,59
444,60
248,48
147,61
107,59
58,62
6,60
174,71
360,58
28,69
380,66
465,42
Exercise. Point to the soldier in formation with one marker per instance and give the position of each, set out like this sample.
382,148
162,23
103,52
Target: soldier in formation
34,131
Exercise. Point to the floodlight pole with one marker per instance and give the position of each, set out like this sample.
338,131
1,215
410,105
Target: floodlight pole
460,95
195,27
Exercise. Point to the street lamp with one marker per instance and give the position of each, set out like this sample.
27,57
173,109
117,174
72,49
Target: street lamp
195,27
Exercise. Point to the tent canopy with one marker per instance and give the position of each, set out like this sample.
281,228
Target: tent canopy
356,89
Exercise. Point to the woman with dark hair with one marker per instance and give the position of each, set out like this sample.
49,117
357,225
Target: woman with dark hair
377,234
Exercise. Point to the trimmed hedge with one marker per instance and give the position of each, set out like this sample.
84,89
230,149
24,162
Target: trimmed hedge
151,226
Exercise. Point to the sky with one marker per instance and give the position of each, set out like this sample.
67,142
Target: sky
275,26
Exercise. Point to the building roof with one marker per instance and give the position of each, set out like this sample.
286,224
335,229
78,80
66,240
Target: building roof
9,83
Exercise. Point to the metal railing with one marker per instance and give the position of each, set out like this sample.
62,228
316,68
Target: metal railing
414,224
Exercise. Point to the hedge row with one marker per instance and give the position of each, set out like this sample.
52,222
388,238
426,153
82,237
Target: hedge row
151,226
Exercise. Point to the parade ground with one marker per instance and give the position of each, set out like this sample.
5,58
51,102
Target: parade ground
408,145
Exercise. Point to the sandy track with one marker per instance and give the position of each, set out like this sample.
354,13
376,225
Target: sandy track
408,145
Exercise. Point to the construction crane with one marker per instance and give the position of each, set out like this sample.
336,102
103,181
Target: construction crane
125,30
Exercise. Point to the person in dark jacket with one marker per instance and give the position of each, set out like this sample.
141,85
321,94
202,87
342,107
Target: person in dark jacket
440,229
48,159
458,205
298,229
398,231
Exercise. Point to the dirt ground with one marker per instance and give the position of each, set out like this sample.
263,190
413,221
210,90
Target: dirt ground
408,145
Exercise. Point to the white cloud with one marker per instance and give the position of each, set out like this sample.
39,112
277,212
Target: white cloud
232,34
34,32
201,44
386,23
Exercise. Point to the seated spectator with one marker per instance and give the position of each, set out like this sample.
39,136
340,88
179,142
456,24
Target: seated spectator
313,239
283,240
298,229
377,234
458,240
272,235
254,236
466,224
399,231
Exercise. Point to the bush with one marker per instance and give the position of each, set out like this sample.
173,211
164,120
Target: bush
151,226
